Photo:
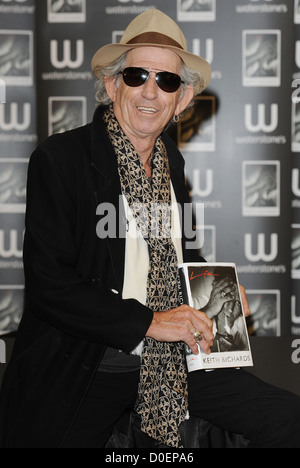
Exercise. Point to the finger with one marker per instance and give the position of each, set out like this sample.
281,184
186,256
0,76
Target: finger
195,346
229,289
198,336
205,347
198,333
201,327
245,302
228,312
203,317
223,284
207,332
208,339
192,344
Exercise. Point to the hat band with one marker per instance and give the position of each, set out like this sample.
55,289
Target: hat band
155,38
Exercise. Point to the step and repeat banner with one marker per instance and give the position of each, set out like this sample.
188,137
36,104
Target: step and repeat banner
241,142
18,138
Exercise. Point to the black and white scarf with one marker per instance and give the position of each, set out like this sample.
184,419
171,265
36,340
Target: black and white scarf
163,394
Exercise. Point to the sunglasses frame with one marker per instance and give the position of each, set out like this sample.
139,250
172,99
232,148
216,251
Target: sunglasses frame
159,78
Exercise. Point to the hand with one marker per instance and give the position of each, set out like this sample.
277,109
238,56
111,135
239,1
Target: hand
233,310
224,291
180,325
245,301
228,316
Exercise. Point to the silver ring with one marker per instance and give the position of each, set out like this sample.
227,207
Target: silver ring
198,336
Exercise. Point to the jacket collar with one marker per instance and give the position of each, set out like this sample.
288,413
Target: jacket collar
103,157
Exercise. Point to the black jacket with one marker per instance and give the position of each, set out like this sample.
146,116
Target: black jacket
71,314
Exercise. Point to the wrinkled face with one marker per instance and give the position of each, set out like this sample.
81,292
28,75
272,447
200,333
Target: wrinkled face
146,110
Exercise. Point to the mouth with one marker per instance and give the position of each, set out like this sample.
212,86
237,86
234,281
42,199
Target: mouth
147,110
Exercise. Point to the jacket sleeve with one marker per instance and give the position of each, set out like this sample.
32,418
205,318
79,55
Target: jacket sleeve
55,291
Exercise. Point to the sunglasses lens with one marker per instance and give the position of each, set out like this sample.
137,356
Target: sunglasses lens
168,82
135,77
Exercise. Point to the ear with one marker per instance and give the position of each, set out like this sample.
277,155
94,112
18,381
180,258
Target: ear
111,87
185,100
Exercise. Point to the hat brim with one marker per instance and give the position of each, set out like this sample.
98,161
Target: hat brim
109,53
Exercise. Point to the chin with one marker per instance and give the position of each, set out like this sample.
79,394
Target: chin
147,129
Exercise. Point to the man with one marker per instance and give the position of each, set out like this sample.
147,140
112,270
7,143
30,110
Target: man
104,331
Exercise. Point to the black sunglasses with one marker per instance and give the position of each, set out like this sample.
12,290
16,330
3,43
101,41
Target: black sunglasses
135,77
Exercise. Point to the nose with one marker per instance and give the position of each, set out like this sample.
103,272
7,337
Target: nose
150,88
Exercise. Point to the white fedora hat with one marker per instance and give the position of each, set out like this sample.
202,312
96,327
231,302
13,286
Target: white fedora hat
153,29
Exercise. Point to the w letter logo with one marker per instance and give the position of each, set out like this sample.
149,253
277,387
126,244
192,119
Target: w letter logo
260,124
66,60
261,254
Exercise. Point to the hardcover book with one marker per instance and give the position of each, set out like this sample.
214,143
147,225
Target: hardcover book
213,288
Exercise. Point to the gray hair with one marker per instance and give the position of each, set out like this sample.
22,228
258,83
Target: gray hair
189,77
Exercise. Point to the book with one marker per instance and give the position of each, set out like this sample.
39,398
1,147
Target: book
213,288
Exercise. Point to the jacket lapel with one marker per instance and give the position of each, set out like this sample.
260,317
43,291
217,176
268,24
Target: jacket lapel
176,162
108,190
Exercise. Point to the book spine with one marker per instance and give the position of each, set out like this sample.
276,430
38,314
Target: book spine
183,281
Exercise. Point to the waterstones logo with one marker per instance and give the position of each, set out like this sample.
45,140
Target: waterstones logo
125,7
261,122
261,254
13,247
18,118
262,6
260,249
16,7
67,60
2,92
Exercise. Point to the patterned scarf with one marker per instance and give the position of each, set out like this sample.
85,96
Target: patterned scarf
163,395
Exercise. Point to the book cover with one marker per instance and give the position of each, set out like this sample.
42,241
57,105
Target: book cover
213,288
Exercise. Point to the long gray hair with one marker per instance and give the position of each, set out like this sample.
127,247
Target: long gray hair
190,78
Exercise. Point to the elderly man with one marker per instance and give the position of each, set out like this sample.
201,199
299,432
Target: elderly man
104,330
